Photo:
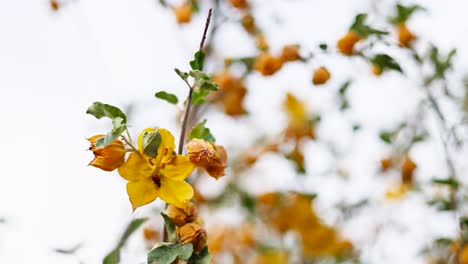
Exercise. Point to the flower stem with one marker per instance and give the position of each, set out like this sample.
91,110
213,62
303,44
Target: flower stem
189,97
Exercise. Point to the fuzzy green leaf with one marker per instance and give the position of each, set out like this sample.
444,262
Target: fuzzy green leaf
170,228
99,110
166,253
203,257
170,98
199,61
384,62
201,132
151,142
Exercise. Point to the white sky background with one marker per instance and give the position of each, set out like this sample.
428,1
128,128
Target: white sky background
54,65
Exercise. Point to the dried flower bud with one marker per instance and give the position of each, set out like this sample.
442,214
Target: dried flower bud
407,170
385,164
231,93
211,157
150,234
267,64
376,70
194,234
405,36
248,22
321,76
241,4
346,44
183,13
261,42
290,53
182,216
108,158
54,5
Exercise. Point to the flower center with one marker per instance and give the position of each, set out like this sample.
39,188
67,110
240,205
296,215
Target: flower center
156,180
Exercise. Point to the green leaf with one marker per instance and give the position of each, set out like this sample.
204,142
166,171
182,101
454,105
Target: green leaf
170,98
195,6
362,29
384,62
166,253
182,75
151,142
386,137
106,140
203,257
450,182
170,228
199,61
344,87
441,63
201,132
198,96
100,110
114,256
403,13
323,46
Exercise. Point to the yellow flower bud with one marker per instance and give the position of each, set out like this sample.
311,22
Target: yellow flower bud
194,234
211,157
108,158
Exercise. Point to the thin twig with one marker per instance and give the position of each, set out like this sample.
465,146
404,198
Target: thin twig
190,95
189,105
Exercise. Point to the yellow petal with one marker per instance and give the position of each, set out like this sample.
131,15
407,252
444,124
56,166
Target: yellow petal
166,147
135,168
141,192
175,192
179,168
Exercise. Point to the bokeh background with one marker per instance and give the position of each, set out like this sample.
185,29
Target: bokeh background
53,65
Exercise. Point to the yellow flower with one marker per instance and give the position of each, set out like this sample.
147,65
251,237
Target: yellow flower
209,156
109,158
162,176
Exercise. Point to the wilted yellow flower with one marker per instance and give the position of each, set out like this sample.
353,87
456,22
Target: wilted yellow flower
54,5
299,125
184,215
386,163
397,192
321,76
207,155
346,44
267,64
193,233
261,42
108,158
162,176
150,234
248,23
